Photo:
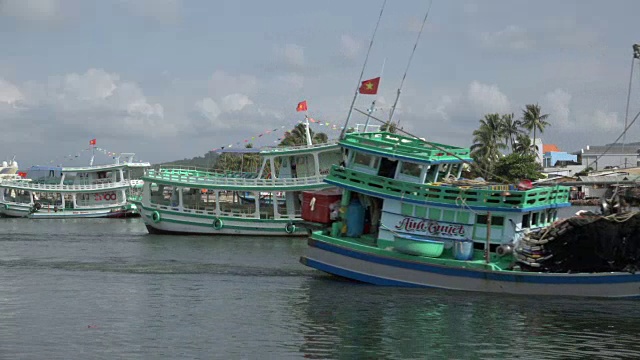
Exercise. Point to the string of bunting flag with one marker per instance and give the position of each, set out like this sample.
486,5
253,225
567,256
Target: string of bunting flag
93,146
302,106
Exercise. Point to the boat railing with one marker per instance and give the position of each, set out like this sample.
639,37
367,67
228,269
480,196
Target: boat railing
496,196
272,149
233,180
29,185
198,171
393,143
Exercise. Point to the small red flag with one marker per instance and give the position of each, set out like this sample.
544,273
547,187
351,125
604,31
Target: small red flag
302,106
370,87
92,142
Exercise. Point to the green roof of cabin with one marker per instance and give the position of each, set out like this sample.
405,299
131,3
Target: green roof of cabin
404,148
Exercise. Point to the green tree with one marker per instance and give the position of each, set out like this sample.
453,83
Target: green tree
516,166
487,143
533,119
524,146
298,136
510,129
389,127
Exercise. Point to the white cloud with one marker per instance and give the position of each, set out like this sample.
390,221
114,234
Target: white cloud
222,83
349,47
289,82
605,121
93,100
557,104
208,108
164,11
9,93
235,102
512,37
31,10
291,54
488,98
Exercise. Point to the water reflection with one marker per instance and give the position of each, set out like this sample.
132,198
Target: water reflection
341,319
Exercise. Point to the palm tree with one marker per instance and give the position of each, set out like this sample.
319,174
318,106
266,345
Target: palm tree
298,136
524,146
510,129
389,127
487,142
533,119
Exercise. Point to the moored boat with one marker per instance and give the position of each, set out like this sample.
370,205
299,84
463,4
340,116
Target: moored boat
180,200
408,219
66,192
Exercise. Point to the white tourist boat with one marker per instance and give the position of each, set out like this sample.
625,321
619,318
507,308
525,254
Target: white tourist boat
71,192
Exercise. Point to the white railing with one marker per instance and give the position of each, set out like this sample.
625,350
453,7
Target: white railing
28,185
231,181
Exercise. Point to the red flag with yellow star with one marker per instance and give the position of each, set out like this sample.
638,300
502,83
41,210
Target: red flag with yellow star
370,87
302,106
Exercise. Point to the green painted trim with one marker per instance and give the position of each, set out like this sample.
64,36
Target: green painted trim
445,194
391,145
299,150
226,226
211,216
446,259
199,185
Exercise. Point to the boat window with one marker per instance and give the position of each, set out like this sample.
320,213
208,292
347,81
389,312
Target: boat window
431,174
411,169
362,159
388,168
534,219
525,221
495,220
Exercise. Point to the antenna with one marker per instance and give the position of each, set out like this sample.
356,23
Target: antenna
344,128
395,103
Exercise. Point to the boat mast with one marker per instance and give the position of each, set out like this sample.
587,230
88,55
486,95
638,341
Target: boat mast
395,103
307,130
355,96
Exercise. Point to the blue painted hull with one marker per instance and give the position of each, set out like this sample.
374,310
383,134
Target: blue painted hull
377,269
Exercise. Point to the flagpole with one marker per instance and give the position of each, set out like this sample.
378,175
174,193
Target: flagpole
93,147
373,104
395,103
355,96
308,131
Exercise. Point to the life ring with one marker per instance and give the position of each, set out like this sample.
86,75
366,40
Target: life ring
217,223
290,228
155,216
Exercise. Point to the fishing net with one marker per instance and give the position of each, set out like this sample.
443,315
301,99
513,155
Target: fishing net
586,243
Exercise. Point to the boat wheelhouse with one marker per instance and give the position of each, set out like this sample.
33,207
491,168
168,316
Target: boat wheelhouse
181,200
408,219
67,192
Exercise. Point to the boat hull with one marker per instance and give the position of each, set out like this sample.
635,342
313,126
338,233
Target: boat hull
373,268
46,213
176,223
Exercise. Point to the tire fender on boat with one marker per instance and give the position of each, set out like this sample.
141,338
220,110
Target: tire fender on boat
290,228
217,223
155,216
37,206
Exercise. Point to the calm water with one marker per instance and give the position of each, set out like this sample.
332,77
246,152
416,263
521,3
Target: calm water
105,289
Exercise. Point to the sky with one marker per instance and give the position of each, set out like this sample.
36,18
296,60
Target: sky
174,79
